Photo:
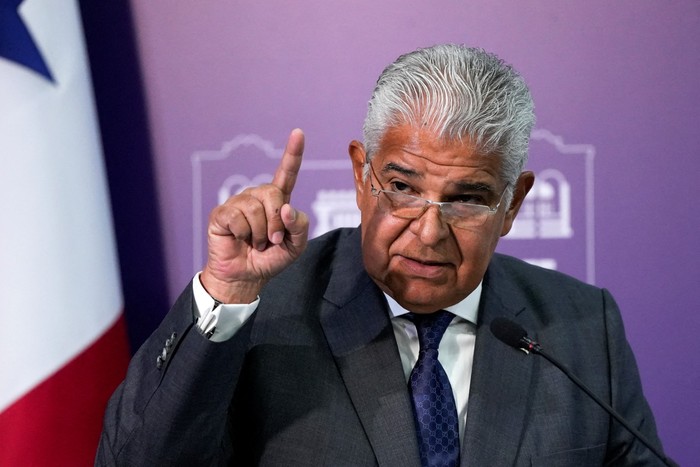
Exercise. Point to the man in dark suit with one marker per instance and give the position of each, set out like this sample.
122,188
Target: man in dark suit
283,353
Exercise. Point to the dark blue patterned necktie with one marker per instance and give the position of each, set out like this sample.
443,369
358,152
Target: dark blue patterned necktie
433,402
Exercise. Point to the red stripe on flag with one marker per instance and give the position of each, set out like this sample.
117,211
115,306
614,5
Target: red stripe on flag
59,421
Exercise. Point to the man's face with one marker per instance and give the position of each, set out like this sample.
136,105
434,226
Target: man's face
426,264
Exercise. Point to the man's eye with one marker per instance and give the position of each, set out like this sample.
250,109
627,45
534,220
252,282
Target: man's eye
401,187
470,198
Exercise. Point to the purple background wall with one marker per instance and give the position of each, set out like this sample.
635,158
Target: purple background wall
620,77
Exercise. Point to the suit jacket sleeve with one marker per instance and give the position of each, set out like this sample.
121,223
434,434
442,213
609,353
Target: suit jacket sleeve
174,412
627,397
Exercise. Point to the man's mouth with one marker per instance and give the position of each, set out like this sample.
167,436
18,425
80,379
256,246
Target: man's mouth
423,267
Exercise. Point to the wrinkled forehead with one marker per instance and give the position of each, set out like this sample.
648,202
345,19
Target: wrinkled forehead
423,139
408,148
446,127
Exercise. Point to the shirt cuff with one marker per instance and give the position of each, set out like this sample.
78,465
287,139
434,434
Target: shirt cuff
219,321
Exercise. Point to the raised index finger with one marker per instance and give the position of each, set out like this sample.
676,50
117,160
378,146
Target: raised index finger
286,173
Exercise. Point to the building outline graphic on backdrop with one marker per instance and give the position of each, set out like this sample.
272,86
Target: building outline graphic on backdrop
559,209
548,212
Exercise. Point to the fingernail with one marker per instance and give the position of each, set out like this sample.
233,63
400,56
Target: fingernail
292,213
277,238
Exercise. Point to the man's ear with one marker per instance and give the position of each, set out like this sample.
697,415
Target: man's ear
522,187
358,159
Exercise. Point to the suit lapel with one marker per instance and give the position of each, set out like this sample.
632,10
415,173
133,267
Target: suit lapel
356,323
501,380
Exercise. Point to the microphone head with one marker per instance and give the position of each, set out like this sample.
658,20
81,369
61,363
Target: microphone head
508,331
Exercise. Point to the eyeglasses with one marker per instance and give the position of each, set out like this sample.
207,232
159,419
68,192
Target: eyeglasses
461,214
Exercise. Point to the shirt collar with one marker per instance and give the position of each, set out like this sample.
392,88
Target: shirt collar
467,309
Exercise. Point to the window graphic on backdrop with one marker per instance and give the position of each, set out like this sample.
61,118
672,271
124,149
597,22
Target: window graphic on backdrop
554,228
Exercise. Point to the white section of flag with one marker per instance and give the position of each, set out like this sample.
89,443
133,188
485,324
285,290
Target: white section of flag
59,283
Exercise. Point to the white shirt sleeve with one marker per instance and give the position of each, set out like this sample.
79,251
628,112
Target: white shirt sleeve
219,321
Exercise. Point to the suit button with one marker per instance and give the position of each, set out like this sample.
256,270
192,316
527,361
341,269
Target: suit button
159,362
170,340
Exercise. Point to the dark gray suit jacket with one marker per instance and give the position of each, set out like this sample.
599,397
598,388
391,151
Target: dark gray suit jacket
314,378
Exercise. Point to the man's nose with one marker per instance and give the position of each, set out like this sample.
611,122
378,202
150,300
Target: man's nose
430,226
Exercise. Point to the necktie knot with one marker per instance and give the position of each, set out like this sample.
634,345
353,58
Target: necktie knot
431,327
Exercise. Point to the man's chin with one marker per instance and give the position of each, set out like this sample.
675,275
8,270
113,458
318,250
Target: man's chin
423,303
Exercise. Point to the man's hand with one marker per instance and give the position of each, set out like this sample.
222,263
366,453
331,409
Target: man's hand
256,234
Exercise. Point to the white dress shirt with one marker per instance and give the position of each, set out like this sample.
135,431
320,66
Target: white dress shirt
456,352
219,321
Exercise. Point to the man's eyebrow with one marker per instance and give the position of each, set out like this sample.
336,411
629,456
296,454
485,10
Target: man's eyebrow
458,186
394,167
469,186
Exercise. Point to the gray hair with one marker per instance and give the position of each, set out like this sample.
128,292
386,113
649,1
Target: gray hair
459,93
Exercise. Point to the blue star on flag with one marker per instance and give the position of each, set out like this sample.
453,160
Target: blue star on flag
16,42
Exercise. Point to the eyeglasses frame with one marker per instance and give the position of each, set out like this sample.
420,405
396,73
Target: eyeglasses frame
490,211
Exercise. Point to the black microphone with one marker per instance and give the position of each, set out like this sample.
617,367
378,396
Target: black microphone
513,334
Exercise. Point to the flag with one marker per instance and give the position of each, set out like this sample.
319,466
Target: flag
63,345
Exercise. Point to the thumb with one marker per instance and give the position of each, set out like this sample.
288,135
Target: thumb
296,223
